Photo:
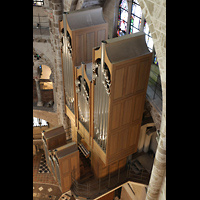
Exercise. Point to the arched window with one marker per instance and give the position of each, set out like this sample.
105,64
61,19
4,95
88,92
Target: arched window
136,17
148,37
122,18
137,22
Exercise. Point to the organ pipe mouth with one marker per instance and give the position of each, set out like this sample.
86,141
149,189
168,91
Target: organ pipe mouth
104,41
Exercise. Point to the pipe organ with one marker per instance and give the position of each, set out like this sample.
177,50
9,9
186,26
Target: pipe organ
67,66
105,83
80,31
83,86
121,68
102,82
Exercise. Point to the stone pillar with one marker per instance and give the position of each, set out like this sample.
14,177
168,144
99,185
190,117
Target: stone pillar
39,103
57,16
159,166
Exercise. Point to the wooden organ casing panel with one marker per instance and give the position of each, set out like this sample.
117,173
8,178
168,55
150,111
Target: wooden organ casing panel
54,137
86,32
129,79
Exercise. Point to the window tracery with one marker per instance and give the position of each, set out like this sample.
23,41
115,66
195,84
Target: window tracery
122,18
137,22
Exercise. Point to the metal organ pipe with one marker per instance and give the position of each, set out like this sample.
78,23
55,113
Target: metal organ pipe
83,91
83,98
68,67
101,99
96,99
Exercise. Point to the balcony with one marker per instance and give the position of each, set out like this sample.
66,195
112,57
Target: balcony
136,171
40,25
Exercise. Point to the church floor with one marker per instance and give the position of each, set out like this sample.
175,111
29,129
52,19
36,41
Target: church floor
44,185
42,177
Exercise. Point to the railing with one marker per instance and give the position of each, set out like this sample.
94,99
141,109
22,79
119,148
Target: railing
93,188
40,23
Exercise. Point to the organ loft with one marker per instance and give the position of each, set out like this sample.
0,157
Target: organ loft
104,85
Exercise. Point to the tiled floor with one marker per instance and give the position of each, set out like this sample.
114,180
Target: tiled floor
43,168
44,185
43,191
41,177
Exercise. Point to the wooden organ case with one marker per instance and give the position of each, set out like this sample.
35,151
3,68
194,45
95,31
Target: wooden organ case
62,157
66,161
105,83
80,31
52,138
121,68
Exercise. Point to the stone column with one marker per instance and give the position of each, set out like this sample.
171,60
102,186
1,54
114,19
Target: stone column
57,16
39,103
159,166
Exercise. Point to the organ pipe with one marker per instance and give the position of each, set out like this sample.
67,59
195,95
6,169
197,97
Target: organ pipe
101,98
83,98
68,67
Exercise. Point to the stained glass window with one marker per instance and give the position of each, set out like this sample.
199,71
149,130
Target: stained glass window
122,18
135,22
38,3
148,37
136,16
155,61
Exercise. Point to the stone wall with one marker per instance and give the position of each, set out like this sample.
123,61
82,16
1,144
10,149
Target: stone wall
154,12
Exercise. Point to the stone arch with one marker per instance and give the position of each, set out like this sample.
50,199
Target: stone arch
44,60
50,117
